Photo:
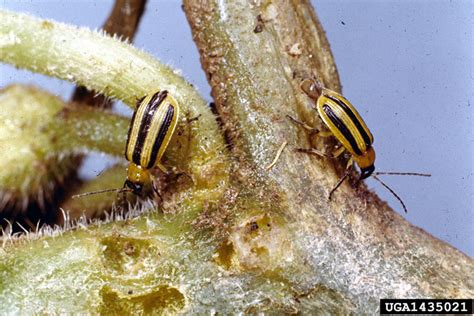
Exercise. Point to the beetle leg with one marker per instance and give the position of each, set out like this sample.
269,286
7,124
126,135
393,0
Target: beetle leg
338,152
324,134
162,168
350,163
303,124
122,198
313,151
189,120
316,152
312,130
344,176
155,189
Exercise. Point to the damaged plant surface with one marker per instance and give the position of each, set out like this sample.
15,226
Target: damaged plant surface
233,234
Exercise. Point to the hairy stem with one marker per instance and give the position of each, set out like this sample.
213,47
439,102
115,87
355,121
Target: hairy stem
93,59
122,22
116,69
276,243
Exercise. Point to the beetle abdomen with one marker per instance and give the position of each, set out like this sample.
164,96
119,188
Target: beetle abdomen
151,129
344,122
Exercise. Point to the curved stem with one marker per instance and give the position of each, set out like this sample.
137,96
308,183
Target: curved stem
117,69
93,59
122,22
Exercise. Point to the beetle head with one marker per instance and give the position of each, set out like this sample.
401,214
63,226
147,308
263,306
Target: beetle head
366,172
136,187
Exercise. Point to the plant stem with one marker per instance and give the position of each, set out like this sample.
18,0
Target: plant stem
256,54
116,69
122,22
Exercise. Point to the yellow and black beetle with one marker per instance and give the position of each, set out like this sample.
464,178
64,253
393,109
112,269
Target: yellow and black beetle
345,123
151,128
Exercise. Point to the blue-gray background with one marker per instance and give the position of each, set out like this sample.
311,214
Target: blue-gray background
406,65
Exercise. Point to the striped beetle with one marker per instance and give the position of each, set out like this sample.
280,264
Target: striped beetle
348,127
151,128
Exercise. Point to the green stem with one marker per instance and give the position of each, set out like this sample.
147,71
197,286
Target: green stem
117,69
92,59
90,129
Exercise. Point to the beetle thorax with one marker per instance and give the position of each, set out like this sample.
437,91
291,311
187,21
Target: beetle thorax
366,160
137,174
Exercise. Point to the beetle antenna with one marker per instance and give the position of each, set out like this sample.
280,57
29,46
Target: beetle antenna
402,174
119,190
391,191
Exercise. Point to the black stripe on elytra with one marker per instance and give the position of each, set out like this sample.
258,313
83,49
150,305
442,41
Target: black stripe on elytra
165,125
132,122
354,119
145,123
343,128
